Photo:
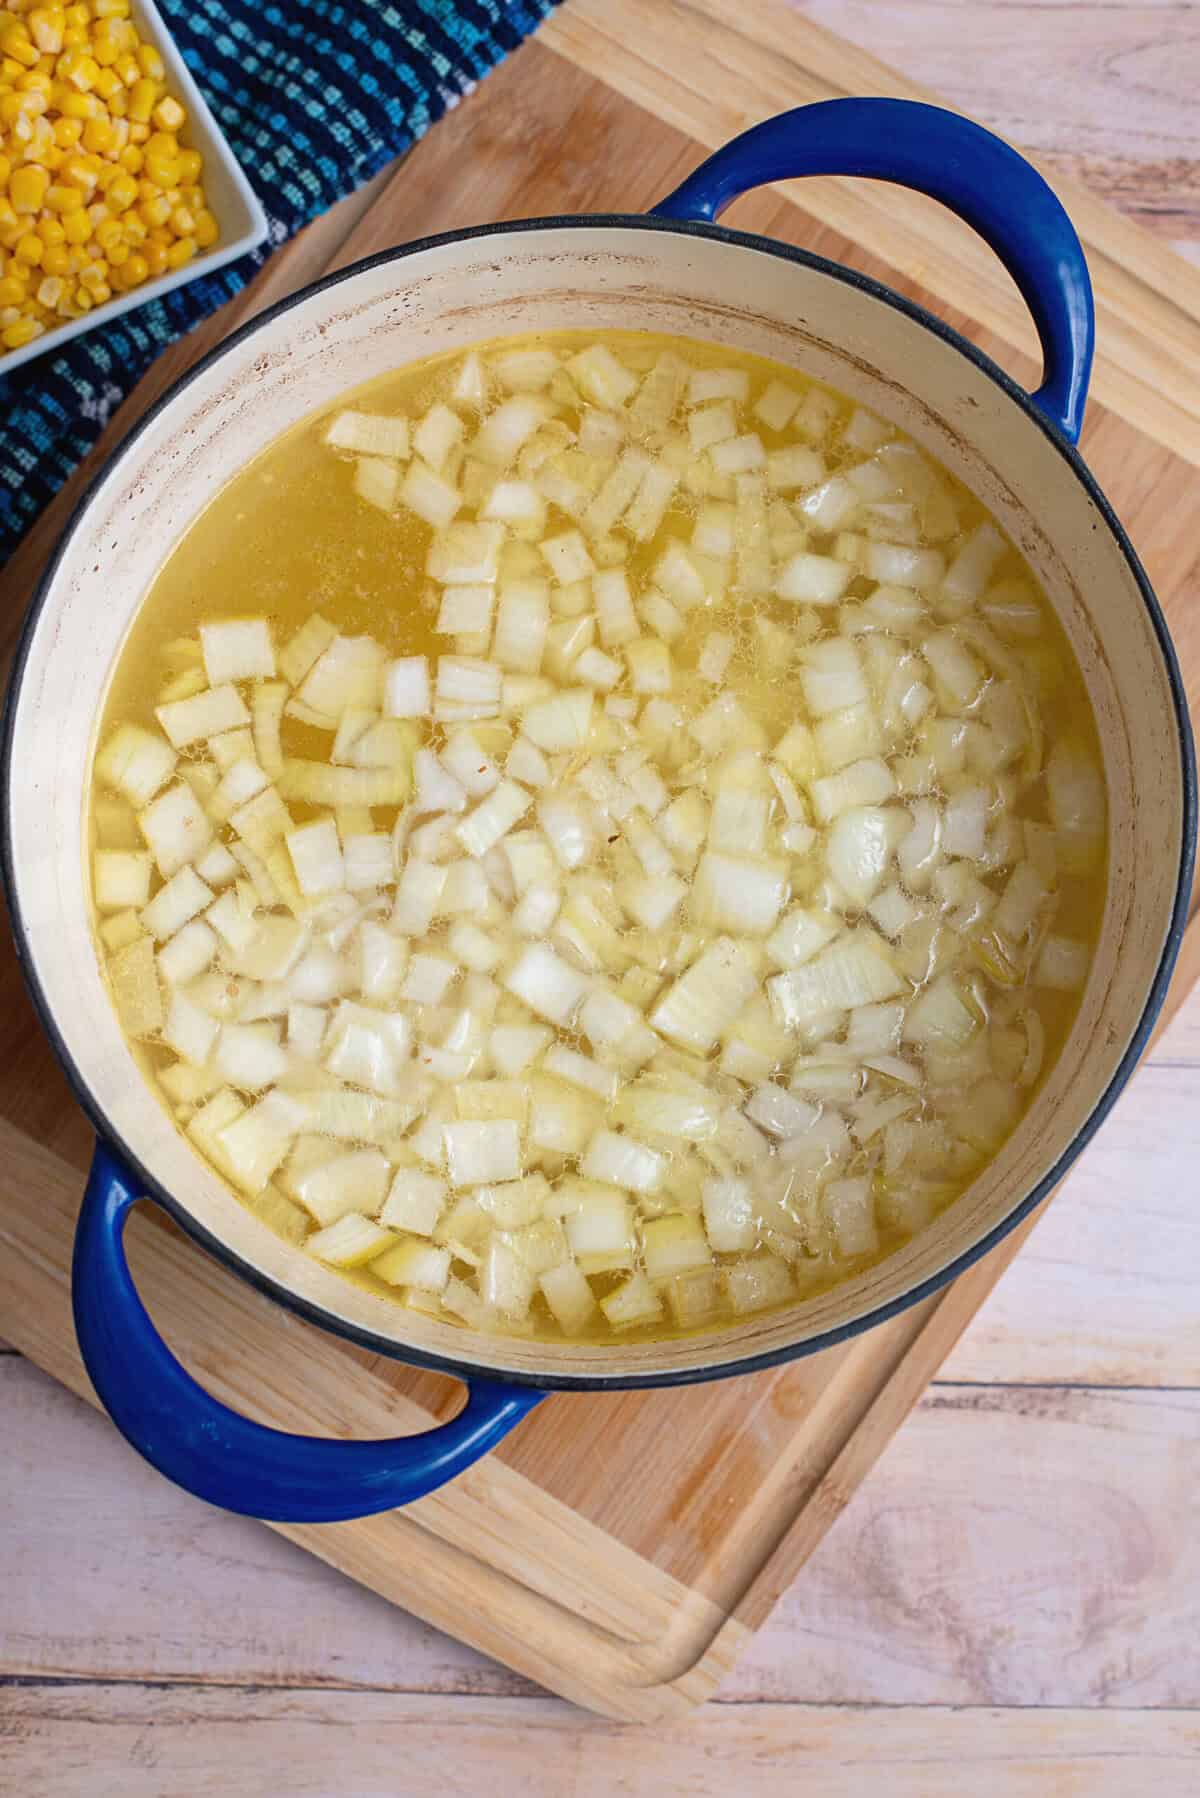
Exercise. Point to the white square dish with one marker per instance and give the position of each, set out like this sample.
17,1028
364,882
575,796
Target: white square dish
232,200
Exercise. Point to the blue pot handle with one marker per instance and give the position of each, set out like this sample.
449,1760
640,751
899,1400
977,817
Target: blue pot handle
208,1449
938,153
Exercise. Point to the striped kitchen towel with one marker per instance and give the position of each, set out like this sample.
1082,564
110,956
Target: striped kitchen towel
315,97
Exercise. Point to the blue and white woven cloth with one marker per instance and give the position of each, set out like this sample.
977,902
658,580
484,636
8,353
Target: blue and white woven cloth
315,97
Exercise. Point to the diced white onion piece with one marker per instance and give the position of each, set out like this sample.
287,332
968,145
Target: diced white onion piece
800,935
972,568
547,984
674,1245
718,384
306,1030
850,1210
371,434
427,979
708,425
470,765
522,620
830,506
596,669
367,860
406,687
377,482
568,558
738,454
874,1029
317,857
121,878
729,1220
469,387
858,850
527,764
190,1031
135,762
514,1047
707,997
249,1055
920,851
633,1303
712,535
715,656
418,896
649,661
470,682
892,911
939,1017
779,1112
600,377
186,721
569,1297
438,434
474,948
1075,790
188,953
794,467
1062,964
433,499
738,893
813,580
863,783
466,553
677,575
957,673
181,898
831,677
600,1232
466,608
536,910
615,615
649,504
854,970
237,649
493,818
418,1265
757,1282
175,828
568,828
580,1070
478,1153
350,1242
776,405
964,823
652,900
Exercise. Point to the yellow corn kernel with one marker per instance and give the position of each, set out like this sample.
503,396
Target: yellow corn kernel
12,107
80,170
128,68
155,211
79,106
162,143
15,337
50,291
108,232
12,289
183,221
155,257
118,103
151,62
50,229
30,249
181,252
79,13
69,132
27,189
132,158
94,274
78,69
82,299
110,9
15,44
135,271
108,85
191,164
57,260
78,227
122,192
169,115
118,253
106,51
120,134
98,211
5,171
46,25
61,198
143,96
75,37
135,231
207,230
35,81
95,134
102,293
163,171
138,132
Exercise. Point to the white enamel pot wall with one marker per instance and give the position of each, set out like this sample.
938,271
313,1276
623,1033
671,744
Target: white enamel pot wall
672,272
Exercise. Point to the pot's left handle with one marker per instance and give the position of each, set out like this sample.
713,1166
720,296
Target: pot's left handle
210,1450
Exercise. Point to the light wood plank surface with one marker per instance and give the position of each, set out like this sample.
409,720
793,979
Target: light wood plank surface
1026,1548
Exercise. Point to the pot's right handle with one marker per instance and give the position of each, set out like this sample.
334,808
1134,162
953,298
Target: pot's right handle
969,170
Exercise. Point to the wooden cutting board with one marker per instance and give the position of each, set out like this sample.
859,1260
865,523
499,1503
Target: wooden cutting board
620,1548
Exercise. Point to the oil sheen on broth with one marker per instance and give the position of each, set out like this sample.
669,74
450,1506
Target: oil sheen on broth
656,882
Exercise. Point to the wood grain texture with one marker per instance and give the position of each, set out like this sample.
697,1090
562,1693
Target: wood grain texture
770,56
113,1740
1105,96
1015,1546
542,136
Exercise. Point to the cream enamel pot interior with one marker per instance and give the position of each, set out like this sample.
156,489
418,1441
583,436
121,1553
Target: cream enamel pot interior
675,272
